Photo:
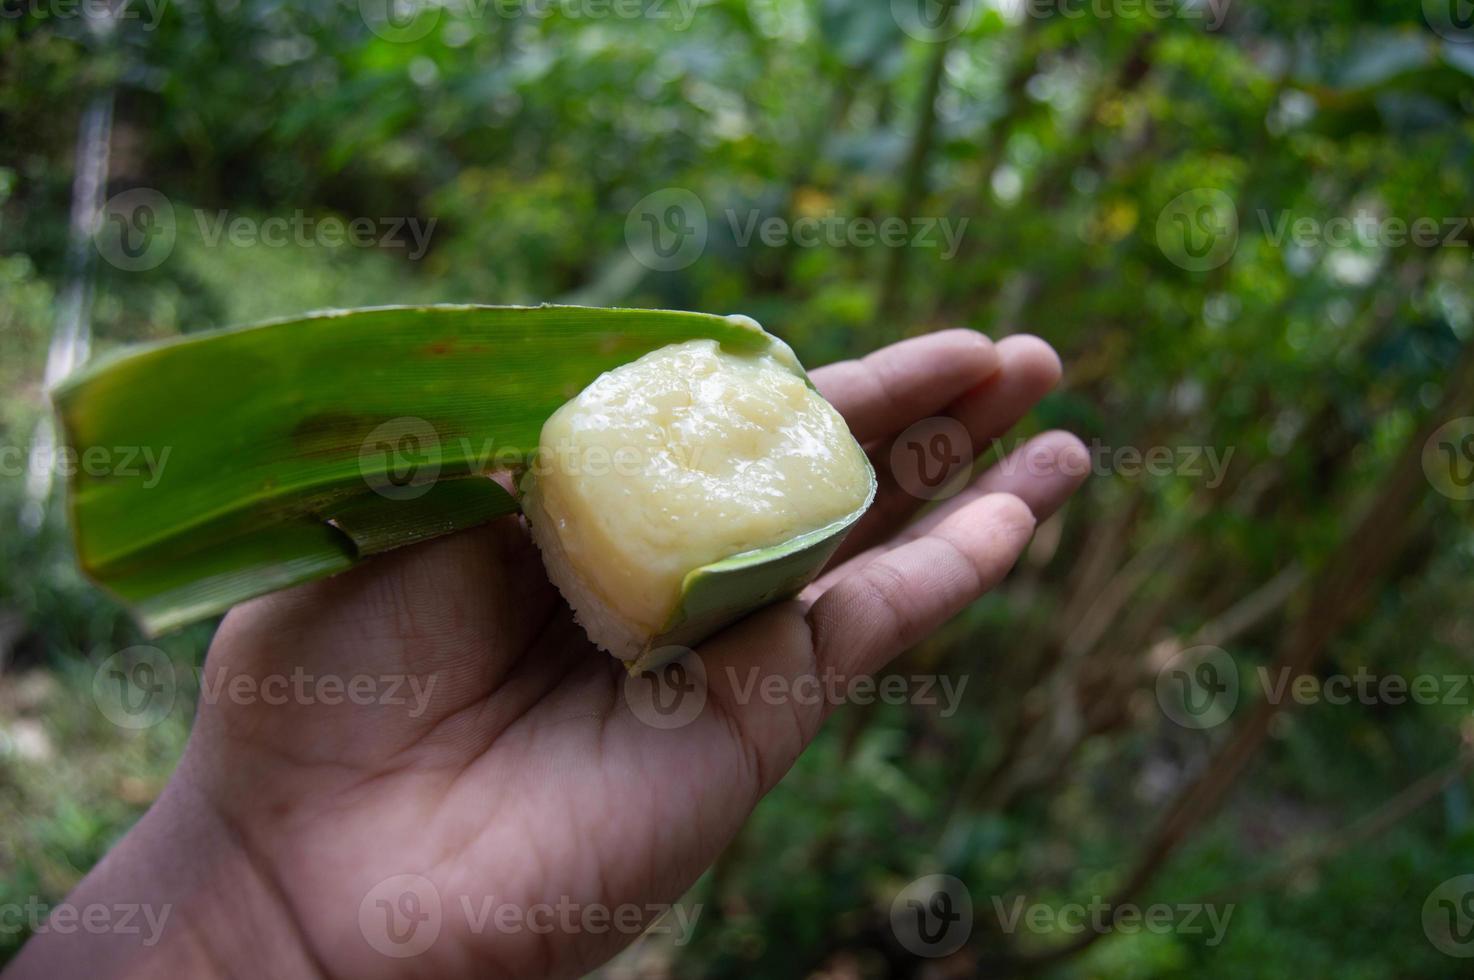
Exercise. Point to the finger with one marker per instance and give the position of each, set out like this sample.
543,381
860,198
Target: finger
885,391
865,619
1028,370
437,626
1043,473
769,650
441,600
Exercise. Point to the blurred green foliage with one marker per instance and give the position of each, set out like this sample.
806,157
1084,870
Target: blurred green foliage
531,133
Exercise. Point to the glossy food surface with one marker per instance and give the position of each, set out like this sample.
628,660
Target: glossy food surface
689,455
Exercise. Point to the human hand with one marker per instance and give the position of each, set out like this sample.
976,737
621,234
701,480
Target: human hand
307,838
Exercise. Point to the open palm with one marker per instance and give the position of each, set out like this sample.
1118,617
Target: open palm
495,797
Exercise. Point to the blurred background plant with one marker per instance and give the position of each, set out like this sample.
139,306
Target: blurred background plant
1163,191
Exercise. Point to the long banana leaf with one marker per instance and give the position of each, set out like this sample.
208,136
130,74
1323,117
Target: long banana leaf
291,450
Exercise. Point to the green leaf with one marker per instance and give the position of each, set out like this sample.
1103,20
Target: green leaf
376,523
274,454
715,595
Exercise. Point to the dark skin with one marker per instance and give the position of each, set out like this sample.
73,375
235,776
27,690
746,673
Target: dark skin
526,776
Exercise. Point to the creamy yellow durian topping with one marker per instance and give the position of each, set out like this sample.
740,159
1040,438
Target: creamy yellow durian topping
689,455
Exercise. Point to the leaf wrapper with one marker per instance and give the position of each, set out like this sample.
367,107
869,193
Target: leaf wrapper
290,450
